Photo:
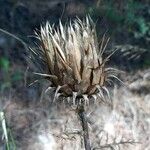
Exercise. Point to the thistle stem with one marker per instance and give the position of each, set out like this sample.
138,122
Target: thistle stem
84,124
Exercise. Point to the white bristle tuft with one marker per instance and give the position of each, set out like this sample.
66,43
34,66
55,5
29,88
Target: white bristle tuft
56,92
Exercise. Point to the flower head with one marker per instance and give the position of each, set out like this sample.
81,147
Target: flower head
73,59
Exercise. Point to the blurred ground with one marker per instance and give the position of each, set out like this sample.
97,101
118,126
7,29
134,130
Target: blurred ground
31,118
40,125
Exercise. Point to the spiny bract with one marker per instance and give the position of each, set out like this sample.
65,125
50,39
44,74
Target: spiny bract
72,59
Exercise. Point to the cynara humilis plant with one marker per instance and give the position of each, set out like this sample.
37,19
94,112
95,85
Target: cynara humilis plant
72,60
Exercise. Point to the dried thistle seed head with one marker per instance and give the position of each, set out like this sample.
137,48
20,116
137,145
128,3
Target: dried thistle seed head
72,59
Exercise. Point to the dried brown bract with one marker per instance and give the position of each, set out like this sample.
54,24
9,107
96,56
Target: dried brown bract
73,60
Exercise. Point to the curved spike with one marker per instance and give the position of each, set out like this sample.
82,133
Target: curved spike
45,75
74,98
114,70
113,76
95,98
105,46
102,44
59,50
35,81
86,99
111,82
103,100
107,58
100,92
58,95
62,30
48,89
80,101
110,68
107,91
68,99
56,92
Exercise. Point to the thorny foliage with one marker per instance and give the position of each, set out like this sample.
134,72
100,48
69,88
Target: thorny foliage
71,58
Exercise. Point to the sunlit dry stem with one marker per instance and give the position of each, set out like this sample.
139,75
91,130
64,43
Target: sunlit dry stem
81,113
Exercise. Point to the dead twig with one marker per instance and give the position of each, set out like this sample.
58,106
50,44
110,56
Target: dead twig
84,124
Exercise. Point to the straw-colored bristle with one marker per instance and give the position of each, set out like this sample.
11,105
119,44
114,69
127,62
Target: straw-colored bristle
73,59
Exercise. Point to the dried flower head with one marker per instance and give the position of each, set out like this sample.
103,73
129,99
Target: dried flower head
72,59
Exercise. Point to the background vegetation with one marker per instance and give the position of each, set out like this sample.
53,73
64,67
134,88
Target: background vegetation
126,22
